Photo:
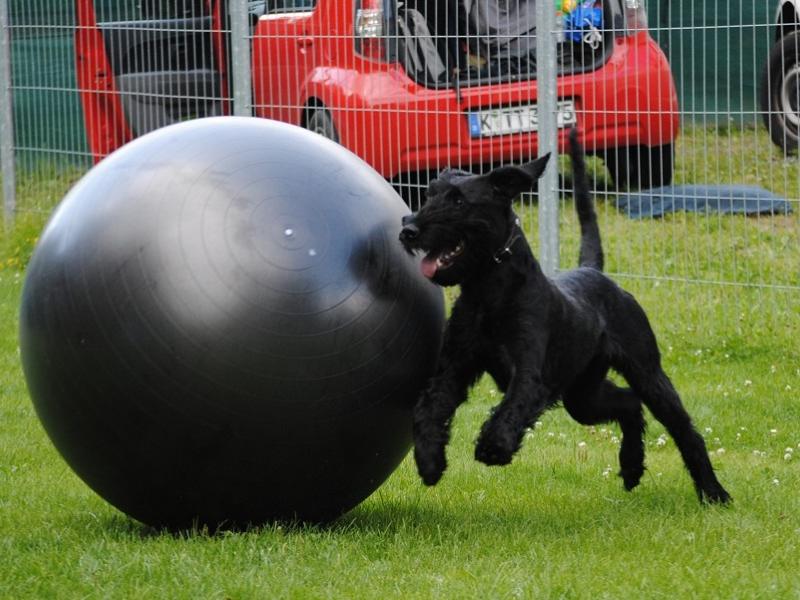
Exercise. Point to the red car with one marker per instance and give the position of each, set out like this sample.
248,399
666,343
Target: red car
379,77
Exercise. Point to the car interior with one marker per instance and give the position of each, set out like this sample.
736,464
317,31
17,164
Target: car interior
164,64
473,42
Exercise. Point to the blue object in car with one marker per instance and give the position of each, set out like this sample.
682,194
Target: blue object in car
585,18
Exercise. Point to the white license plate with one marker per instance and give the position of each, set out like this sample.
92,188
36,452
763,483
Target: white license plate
516,119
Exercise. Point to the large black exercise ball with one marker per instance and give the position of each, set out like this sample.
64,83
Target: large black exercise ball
219,326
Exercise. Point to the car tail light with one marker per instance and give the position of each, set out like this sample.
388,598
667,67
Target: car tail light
635,15
370,29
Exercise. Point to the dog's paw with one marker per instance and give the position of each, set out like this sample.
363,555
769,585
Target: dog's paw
491,453
430,465
716,494
631,477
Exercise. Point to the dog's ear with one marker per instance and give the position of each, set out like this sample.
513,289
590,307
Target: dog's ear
536,167
511,181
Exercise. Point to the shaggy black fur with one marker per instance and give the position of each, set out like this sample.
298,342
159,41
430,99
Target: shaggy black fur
542,340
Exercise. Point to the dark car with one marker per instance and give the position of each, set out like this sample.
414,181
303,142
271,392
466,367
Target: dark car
780,84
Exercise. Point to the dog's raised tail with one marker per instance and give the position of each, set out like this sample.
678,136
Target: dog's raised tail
591,252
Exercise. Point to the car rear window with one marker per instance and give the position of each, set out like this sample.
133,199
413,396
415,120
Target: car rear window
279,6
173,9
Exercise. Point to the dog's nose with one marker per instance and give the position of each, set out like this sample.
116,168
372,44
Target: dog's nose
409,231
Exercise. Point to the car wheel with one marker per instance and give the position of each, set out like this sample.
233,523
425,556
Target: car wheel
319,121
641,167
780,93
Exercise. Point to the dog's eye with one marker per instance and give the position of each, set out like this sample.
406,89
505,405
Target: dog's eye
458,201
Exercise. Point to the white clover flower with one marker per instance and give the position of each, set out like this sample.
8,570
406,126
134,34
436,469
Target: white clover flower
720,450
789,449
581,444
776,481
773,431
708,430
787,457
747,383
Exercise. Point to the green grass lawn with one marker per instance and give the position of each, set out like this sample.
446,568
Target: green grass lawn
722,295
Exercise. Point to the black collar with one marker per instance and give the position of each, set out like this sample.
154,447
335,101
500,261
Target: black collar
504,253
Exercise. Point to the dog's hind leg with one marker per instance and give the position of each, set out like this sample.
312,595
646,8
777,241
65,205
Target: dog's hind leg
590,404
633,352
659,395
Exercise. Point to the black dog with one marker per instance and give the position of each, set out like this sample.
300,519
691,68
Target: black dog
542,340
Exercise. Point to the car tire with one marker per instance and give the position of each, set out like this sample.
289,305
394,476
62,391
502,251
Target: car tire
779,93
641,167
320,121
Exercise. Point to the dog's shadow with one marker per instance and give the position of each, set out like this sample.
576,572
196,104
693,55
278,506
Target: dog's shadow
413,517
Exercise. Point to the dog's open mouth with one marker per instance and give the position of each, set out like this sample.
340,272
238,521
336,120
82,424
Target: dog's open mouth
435,262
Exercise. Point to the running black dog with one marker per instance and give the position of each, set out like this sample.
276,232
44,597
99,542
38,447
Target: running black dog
542,340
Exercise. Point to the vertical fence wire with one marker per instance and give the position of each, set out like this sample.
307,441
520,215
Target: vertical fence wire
7,173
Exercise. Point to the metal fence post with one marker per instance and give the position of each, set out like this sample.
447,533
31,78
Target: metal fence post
240,58
6,119
548,135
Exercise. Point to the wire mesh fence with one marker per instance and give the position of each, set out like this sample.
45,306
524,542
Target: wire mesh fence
689,111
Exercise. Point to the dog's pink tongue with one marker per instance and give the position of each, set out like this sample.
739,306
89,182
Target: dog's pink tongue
428,266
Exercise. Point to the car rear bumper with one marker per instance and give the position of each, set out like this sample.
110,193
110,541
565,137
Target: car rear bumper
398,126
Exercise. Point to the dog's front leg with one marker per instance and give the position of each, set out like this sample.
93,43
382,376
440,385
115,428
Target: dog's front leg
458,369
501,436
